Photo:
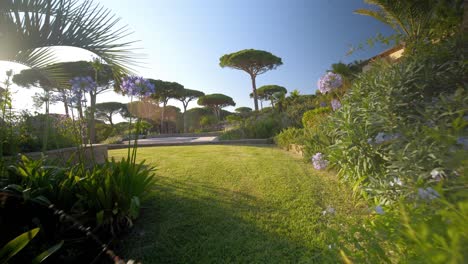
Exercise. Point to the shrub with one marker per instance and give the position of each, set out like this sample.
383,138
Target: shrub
290,136
258,126
113,140
106,197
403,121
313,117
419,229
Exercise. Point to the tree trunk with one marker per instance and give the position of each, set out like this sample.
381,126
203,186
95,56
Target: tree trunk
254,90
46,128
184,118
65,105
91,121
110,121
162,117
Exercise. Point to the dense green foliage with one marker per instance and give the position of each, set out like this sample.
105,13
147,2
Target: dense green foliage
418,107
259,125
290,135
106,197
216,102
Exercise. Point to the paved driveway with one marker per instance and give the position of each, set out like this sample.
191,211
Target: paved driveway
167,140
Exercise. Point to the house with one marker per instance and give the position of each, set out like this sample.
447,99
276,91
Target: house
392,55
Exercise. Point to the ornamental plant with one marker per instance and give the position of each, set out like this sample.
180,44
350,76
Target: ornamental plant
335,104
329,82
319,161
401,121
135,87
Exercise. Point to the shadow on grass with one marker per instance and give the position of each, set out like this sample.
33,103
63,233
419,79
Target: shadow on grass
189,222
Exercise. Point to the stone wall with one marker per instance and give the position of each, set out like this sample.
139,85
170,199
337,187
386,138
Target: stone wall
65,155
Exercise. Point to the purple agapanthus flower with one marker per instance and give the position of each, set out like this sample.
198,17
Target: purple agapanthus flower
319,162
335,104
329,82
463,141
137,86
379,210
428,193
83,84
323,104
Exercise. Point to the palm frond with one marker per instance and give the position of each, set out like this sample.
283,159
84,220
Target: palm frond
28,28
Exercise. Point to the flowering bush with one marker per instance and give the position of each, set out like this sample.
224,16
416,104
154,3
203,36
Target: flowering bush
329,82
319,161
137,86
402,121
335,104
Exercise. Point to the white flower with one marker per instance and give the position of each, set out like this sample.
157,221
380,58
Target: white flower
396,181
437,174
328,210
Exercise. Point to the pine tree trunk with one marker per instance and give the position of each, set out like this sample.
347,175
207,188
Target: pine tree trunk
254,90
185,119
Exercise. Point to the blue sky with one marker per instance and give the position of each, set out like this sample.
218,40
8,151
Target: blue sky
183,39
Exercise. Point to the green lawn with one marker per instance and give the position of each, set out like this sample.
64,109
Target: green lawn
237,204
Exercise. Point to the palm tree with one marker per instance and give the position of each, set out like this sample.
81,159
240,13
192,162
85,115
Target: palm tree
30,28
416,19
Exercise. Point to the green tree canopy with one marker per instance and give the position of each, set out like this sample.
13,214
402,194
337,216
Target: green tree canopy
266,92
254,62
102,74
186,96
106,111
163,92
216,102
243,110
166,90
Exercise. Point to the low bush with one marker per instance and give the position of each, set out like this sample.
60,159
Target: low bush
290,135
106,198
260,125
314,117
113,140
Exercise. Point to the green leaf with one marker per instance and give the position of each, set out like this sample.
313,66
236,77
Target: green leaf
100,217
17,244
41,257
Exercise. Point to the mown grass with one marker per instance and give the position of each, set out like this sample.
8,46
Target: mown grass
238,204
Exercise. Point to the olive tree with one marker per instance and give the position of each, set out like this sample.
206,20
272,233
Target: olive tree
254,62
